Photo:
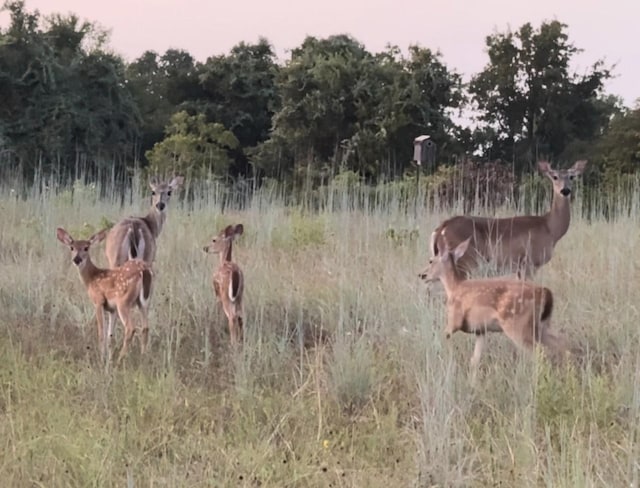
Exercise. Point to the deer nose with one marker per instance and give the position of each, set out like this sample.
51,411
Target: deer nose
77,260
160,206
205,249
565,192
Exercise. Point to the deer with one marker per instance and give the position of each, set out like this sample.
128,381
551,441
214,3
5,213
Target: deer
522,243
113,290
228,280
135,237
520,309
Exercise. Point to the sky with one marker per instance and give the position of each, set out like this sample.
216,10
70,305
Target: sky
457,28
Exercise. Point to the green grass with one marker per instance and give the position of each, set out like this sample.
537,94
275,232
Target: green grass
385,401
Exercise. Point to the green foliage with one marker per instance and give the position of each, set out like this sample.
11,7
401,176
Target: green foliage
562,400
402,236
352,375
620,145
345,106
65,98
531,105
193,148
73,108
302,230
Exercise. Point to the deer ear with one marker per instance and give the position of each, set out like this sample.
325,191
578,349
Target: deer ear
579,167
544,167
63,236
153,182
98,237
176,182
460,249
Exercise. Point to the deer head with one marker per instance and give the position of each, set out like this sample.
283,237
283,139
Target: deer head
80,248
220,242
562,179
444,263
161,192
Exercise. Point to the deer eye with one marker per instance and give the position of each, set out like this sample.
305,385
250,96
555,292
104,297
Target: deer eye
153,192
86,249
555,177
169,193
71,247
571,177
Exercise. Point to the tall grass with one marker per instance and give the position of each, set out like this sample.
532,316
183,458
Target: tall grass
345,378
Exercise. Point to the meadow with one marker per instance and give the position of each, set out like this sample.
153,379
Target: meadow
345,378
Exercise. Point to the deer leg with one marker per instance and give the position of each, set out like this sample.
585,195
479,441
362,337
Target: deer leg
108,334
240,324
232,329
129,331
477,350
144,336
100,321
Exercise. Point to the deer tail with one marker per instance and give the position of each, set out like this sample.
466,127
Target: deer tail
235,285
547,304
147,282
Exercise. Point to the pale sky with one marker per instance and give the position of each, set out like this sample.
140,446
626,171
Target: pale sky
457,28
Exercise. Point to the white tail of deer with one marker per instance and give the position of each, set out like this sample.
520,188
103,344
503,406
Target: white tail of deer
520,244
228,280
113,290
520,309
135,237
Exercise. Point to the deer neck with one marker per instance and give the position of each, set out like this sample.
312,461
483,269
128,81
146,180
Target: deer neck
88,272
225,255
559,216
450,282
156,220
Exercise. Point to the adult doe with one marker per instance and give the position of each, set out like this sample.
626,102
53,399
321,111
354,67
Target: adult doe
519,244
520,309
135,237
113,290
228,280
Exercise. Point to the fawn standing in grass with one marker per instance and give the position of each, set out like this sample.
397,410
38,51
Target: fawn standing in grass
520,244
135,237
228,281
520,309
113,290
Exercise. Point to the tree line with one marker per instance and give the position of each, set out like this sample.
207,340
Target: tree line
72,106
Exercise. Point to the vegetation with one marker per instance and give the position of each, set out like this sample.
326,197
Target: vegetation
345,378
73,107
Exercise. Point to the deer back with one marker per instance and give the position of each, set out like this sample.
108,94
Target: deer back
131,238
124,285
229,283
495,302
508,242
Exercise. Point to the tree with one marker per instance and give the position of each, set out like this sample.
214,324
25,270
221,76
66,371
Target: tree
239,92
530,101
193,148
65,100
343,107
620,145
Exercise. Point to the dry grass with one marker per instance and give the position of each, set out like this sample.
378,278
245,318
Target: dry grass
386,401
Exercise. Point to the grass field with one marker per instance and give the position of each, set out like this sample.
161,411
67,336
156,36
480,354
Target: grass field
385,402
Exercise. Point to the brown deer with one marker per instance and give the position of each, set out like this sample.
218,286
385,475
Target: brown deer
135,237
113,290
228,281
523,243
520,309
